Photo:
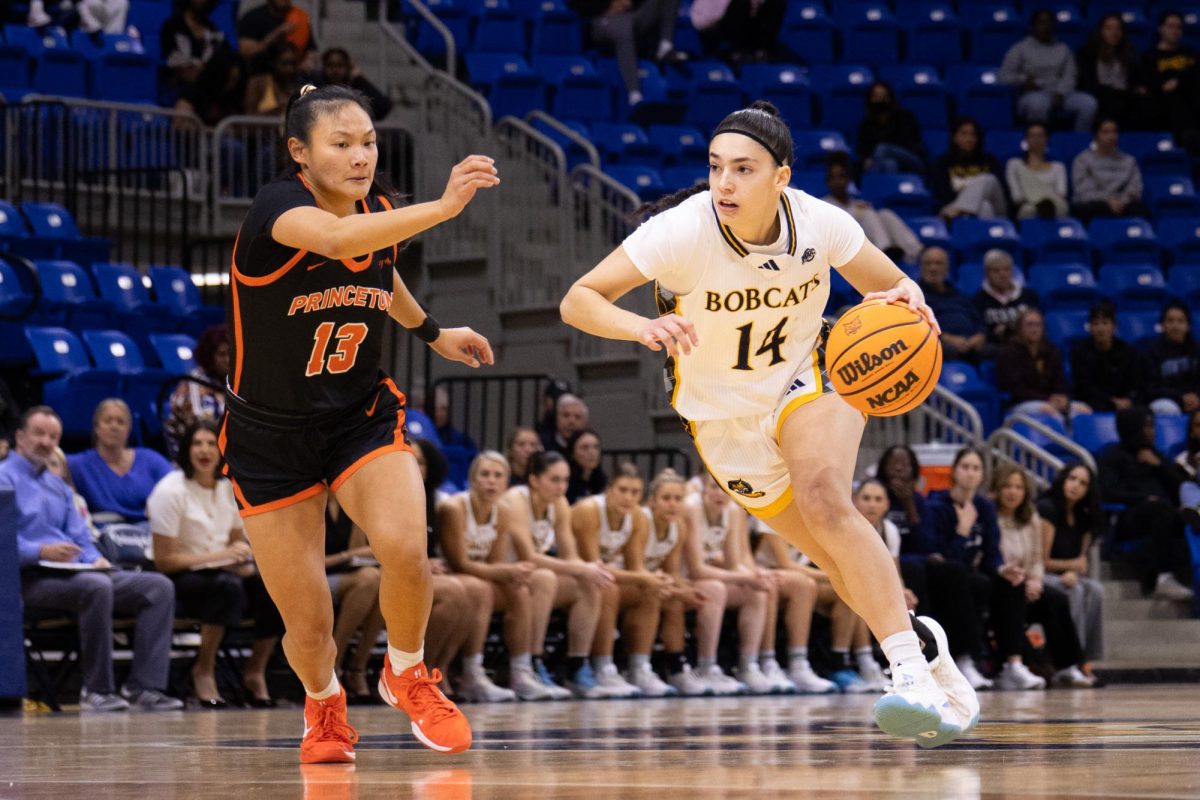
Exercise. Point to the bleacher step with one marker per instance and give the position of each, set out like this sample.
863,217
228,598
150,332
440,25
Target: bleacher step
1157,641
1143,608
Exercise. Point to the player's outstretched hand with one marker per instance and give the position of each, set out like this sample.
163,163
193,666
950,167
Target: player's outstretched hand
671,331
467,177
463,345
908,292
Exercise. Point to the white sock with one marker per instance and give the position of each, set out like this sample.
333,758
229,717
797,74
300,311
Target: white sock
798,655
402,660
665,46
765,656
1165,576
903,648
522,661
599,663
703,663
329,691
473,664
746,659
639,661
865,658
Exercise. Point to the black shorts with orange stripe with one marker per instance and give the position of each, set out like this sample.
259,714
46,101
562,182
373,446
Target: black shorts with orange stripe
276,459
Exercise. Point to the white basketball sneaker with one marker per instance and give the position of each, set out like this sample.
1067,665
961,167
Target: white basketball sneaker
779,679
755,680
952,681
689,684
525,684
475,686
966,665
807,681
915,707
721,683
613,685
647,680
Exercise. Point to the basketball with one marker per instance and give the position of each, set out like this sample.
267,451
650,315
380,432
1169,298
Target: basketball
883,358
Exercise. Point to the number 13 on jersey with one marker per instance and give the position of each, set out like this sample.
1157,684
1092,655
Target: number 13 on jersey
772,342
349,337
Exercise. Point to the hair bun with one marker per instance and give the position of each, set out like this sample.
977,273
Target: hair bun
308,87
765,106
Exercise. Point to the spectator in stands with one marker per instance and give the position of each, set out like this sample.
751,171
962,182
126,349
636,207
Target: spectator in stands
883,227
1108,68
622,24
275,23
1104,367
10,418
337,67
199,541
1106,181
57,464
967,533
1189,461
889,136
938,583
966,179
1042,72
570,416
963,336
1030,370
102,16
113,477
51,535
548,415
1020,595
522,443
1071,523
1139,477
447,433
353,576
1003,296
750,27
203,397
1038,186
267,93
1168,76
60,13
583,456
188,40
218,92
1171,364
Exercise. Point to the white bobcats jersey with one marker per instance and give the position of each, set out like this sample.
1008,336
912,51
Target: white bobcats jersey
757,310
612,542
658,549
540,530
480,535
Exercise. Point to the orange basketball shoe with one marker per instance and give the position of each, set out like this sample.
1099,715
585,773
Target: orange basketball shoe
436,721
328,737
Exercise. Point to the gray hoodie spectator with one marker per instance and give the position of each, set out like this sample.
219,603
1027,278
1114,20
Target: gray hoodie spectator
1043,73
1106,181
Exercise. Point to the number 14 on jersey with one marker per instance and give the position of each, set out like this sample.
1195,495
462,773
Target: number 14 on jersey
772,343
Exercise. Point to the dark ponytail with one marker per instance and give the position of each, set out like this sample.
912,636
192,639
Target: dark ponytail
305,106
759,121
543,460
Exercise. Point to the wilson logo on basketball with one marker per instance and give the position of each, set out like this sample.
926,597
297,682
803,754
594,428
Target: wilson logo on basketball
865,364
895,392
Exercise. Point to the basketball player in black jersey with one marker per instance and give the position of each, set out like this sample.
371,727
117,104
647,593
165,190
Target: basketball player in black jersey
313,282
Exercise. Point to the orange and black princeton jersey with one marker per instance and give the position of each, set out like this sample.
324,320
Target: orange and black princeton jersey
306,331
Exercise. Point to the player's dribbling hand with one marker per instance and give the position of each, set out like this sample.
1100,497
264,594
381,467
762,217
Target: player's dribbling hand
463,345
671,331
908,292
468,176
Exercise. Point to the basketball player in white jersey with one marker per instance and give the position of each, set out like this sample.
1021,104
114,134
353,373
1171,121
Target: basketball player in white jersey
741,268
472,546
611,527
670,534
537,520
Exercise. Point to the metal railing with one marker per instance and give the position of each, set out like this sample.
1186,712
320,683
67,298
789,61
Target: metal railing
944,417
1006,446
440,28
135,207
582,142
1063,443
486,408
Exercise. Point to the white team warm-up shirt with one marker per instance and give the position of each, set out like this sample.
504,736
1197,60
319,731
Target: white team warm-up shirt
757,310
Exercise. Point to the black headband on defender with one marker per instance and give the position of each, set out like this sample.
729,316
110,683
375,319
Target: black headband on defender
734,128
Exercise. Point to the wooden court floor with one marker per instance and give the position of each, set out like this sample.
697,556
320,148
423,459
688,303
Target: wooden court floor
1121,741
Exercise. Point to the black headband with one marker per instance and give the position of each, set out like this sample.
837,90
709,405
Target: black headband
734,128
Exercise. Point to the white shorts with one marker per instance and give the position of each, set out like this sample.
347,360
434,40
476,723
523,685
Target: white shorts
743,453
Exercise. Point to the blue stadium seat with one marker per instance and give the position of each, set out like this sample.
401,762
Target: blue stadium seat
869,31
1171,196
714,94
978,91
676,178
1134,287
1128,240
934,32
58,69
1065,326
626,143
1170,433
556,30
121,71
680,144
974,237
1064,285
1133,326
507,82
1156,153
841,90
51,222
813,146
921,91
69,298
1191,15
12,225
808,32
1063,241
428,40
785,85
122,285
73,387
1070,28
811,181
1094,432
575,152
645,182
16,69
580,93
147,19
1180,237
656,105
176,352
1184,283
1004,144
174,288
931,231
499,30
841,293
962,379
17,303
994,27
904,194
140,385
935,141
1052,422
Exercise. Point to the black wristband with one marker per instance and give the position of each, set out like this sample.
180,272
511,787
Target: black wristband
428,331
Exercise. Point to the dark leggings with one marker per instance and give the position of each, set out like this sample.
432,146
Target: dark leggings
1162,523
218,597
1011,612
944,591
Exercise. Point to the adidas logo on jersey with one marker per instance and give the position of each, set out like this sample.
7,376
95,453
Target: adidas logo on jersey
770,265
